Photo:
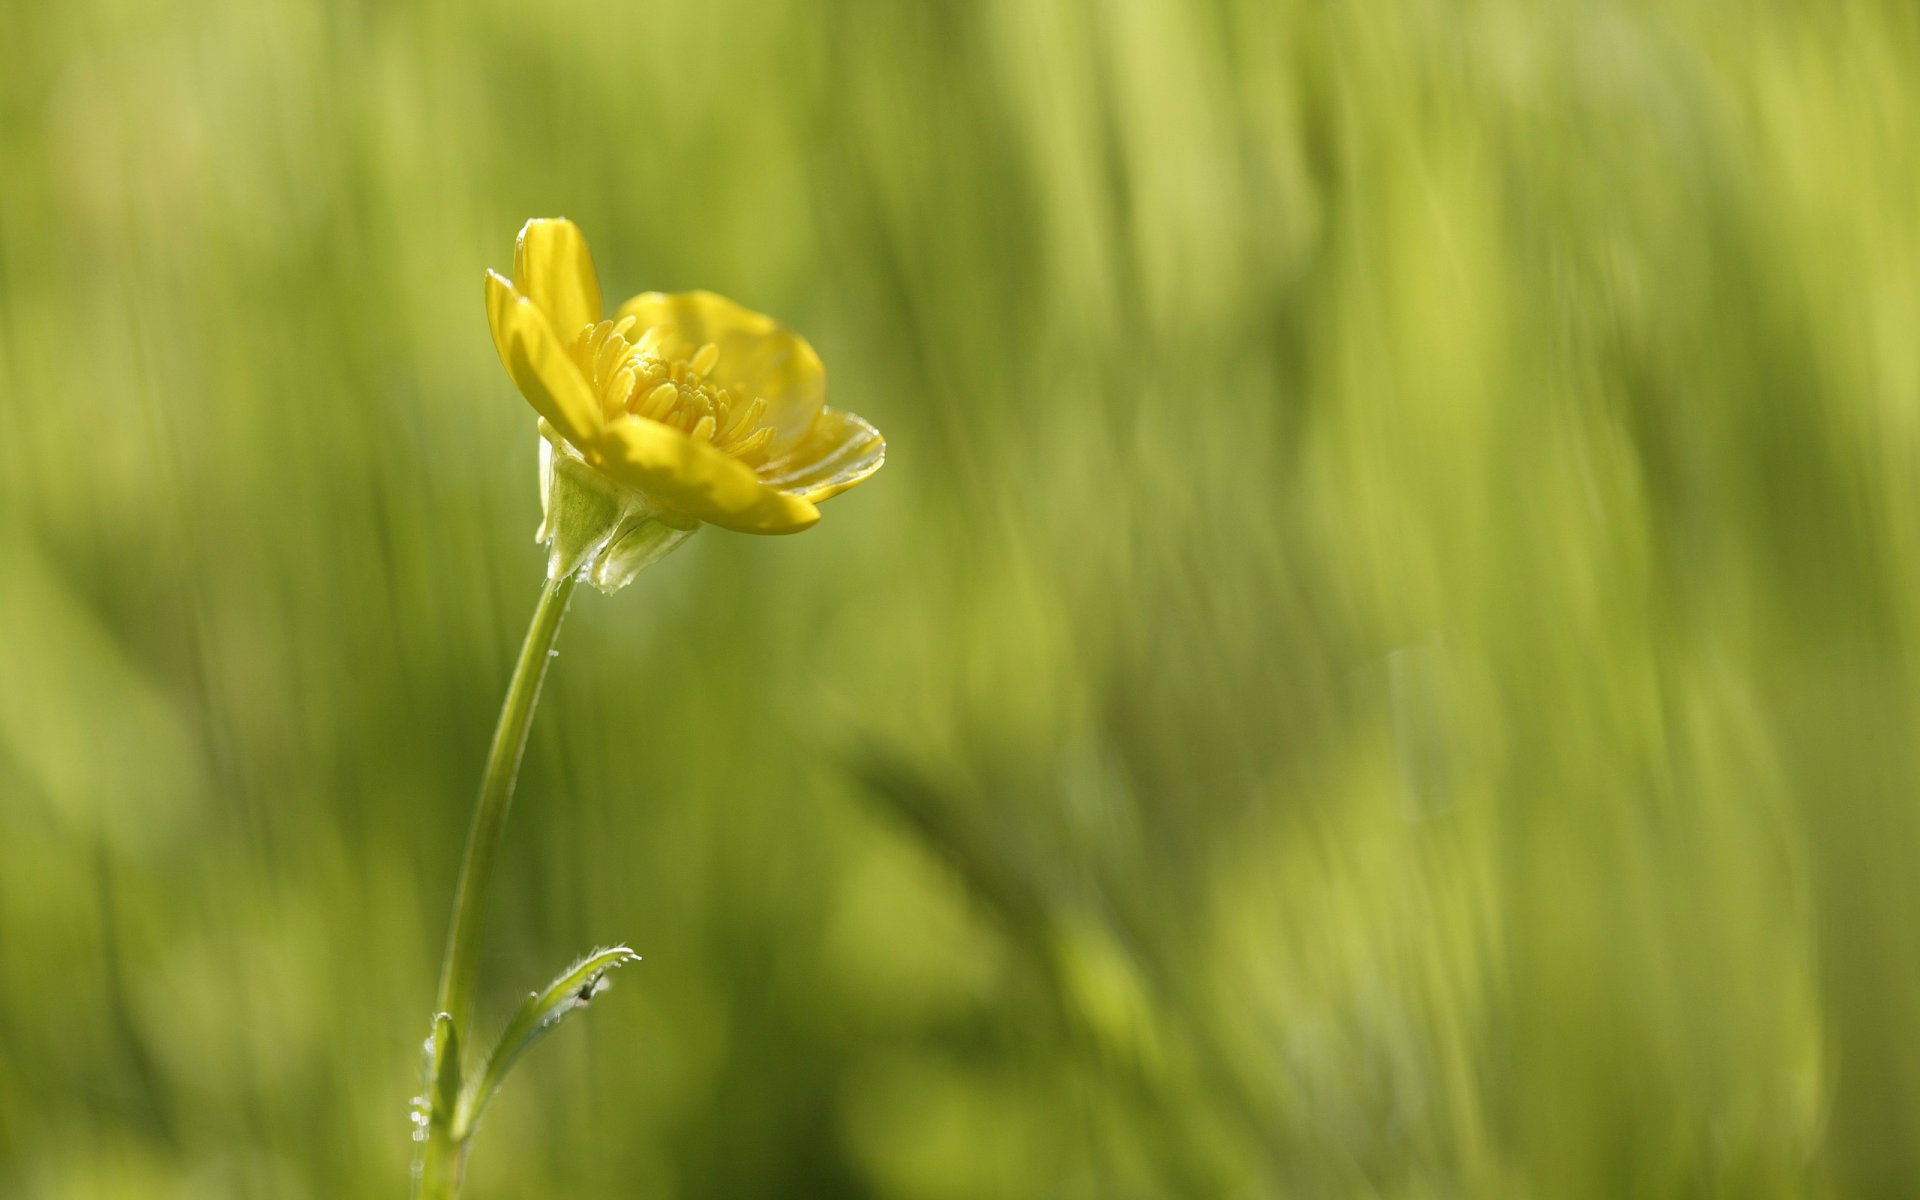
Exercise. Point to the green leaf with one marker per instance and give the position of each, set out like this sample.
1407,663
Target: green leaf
573,990
443,1065
434,1107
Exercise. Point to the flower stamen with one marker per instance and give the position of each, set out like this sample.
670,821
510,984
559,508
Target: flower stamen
646,377
656,404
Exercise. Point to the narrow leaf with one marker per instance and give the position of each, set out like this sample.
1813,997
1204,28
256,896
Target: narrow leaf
541,1011
443,1067
433,1109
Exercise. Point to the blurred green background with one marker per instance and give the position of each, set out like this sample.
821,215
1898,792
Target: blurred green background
1385,661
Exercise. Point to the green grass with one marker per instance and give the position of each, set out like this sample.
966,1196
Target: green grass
1383,663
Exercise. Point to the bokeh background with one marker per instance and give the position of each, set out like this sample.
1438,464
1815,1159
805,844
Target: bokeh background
1385,660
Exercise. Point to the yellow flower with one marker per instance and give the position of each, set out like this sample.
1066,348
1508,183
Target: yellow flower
682,408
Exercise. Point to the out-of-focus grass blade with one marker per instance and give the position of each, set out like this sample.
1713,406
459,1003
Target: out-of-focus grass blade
541,1011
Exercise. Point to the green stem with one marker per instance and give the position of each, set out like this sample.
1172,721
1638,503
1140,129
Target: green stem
444,1157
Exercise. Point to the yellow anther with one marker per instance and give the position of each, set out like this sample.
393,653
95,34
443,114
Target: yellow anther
660,401
652,378
752,443
619,389
746,418
612,348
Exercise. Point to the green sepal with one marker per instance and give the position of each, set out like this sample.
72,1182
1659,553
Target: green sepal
585,512
639,546
595,526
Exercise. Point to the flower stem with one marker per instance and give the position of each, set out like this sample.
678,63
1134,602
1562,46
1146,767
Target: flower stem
444,1159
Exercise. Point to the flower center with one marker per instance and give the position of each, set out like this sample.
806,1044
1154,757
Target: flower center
654,376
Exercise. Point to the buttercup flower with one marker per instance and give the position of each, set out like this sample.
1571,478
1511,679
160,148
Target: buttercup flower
681,409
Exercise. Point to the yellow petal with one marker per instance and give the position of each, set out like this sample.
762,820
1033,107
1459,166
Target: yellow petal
539,363
839,451
692,479
758,356
552,268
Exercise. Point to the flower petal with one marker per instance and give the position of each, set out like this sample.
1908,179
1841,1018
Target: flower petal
758,355
692,479
552,268
539,363
839,451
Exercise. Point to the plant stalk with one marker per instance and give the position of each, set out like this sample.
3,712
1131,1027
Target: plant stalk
443,1159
